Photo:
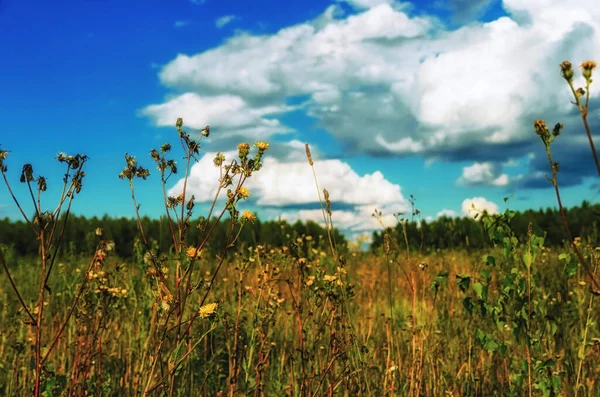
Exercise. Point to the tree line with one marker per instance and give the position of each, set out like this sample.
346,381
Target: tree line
464,232
79,238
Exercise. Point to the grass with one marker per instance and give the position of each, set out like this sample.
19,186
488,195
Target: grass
255,329
308,318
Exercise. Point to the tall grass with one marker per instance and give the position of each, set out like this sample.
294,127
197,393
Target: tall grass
308,318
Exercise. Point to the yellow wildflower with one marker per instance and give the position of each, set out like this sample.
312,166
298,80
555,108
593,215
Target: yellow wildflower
261,145
243,192
208,310
192,252
248,216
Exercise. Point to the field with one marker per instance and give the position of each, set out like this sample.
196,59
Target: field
212,314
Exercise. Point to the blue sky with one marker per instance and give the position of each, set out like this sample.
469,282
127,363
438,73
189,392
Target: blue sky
435,99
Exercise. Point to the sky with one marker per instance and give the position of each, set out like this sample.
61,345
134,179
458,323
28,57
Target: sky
434,99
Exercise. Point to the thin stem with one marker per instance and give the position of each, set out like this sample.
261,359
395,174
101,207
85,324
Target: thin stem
14,287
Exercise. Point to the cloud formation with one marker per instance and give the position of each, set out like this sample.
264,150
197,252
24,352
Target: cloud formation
224,20
483,174
383,82
286,184
477,205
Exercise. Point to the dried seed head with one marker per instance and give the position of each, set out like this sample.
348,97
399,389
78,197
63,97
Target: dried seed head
327,202
541,129
308,155
566,70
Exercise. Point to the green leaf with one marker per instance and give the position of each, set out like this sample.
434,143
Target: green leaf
564,257
491,345
463,280
571,269
527,260
480,290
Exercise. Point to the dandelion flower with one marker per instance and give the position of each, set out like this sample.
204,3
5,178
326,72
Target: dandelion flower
243,192
192,252
208,310
261,145
248,216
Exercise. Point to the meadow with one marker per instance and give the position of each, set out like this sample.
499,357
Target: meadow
308,316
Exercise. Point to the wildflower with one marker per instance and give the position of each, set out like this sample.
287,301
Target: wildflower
566,71
243,149
310,281
262,146
587,67
244,193
541,129
192,252
208,310
248,216
329,278
206,131
219,159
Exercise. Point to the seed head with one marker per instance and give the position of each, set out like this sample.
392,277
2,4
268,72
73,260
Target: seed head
566,71
541,129
308,155
243,149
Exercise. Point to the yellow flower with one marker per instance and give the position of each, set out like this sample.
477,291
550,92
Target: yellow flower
261,145
192,252
248,216
243,192
329,278
588,65
208,310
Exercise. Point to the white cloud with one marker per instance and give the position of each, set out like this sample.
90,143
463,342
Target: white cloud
282,184
413,86
446,212
477,205
224,20
483,174
181,24
230,114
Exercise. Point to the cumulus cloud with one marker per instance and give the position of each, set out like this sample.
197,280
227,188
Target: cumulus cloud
290,187
477,205
229,114
224,20
383,82
483,174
